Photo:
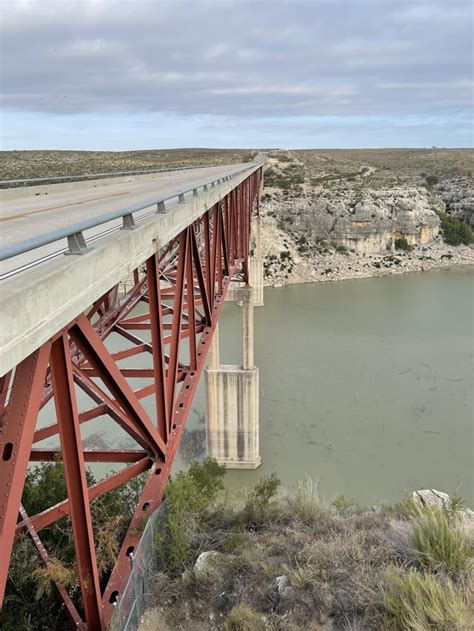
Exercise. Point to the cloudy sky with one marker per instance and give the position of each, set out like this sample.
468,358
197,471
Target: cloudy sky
121,74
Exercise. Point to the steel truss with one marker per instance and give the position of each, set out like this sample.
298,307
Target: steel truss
180,291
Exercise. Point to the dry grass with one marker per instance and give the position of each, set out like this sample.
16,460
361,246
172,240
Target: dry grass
304,565
242,618
30,164
390,163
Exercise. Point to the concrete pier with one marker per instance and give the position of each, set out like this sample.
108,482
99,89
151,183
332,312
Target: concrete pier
256,265
232,399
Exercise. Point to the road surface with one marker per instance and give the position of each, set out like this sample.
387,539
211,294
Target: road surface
36,215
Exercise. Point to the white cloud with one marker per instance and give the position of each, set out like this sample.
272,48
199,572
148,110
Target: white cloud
236,59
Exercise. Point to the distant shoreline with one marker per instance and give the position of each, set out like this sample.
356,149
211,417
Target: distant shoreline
370,274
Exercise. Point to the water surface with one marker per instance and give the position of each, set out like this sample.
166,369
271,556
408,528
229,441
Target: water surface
366,386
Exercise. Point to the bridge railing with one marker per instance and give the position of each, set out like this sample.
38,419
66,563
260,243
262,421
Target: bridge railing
61,179
74,233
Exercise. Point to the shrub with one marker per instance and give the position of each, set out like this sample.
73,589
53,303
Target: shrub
402,244
284,179
455,232
259,499
341,248
242,618
345,504
441,544
420,602
431,180
189,498
31,599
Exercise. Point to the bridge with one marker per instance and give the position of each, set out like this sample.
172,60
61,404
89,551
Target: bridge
148,259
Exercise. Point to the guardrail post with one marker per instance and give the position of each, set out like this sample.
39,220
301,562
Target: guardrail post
195,192
161,208
128,222
77,244
181,198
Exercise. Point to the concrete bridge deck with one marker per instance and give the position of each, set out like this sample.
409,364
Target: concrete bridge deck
37,302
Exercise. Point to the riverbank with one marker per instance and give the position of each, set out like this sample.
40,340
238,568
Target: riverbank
279,561
286,264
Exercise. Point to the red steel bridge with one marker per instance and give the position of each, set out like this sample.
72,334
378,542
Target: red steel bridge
178,254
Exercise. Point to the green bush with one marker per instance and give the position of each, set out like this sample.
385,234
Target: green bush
431,180
31,598
284,179
419,602
402,244
189,499
259,499
455,232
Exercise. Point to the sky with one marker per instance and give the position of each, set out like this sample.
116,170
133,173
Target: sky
151,74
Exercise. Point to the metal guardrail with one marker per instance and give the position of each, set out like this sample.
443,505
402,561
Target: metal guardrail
74,233
58,179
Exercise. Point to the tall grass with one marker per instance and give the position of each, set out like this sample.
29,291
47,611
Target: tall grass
304,503
441,544
420,602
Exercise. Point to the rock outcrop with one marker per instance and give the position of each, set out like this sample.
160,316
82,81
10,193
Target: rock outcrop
368,222
458,197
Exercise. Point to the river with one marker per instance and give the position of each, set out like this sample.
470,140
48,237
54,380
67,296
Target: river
366,386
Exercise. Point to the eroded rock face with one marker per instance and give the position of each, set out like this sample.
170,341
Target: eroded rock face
367,222
458,197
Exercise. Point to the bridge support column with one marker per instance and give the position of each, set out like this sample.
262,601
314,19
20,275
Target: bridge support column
256,265
232,399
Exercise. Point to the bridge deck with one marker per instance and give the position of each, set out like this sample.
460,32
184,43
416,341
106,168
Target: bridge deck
55,206
38,302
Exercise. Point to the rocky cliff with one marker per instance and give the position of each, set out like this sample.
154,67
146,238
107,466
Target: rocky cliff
368,223
327,216
458,197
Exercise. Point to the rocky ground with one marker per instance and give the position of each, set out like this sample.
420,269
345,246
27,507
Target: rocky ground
291,562
331,217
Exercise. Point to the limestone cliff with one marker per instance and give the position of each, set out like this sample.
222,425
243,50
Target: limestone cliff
367,222
458,197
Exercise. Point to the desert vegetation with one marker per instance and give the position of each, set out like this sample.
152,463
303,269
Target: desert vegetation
31,599
31,164
455,231
288,560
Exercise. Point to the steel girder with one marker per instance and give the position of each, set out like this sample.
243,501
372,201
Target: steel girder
182,289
